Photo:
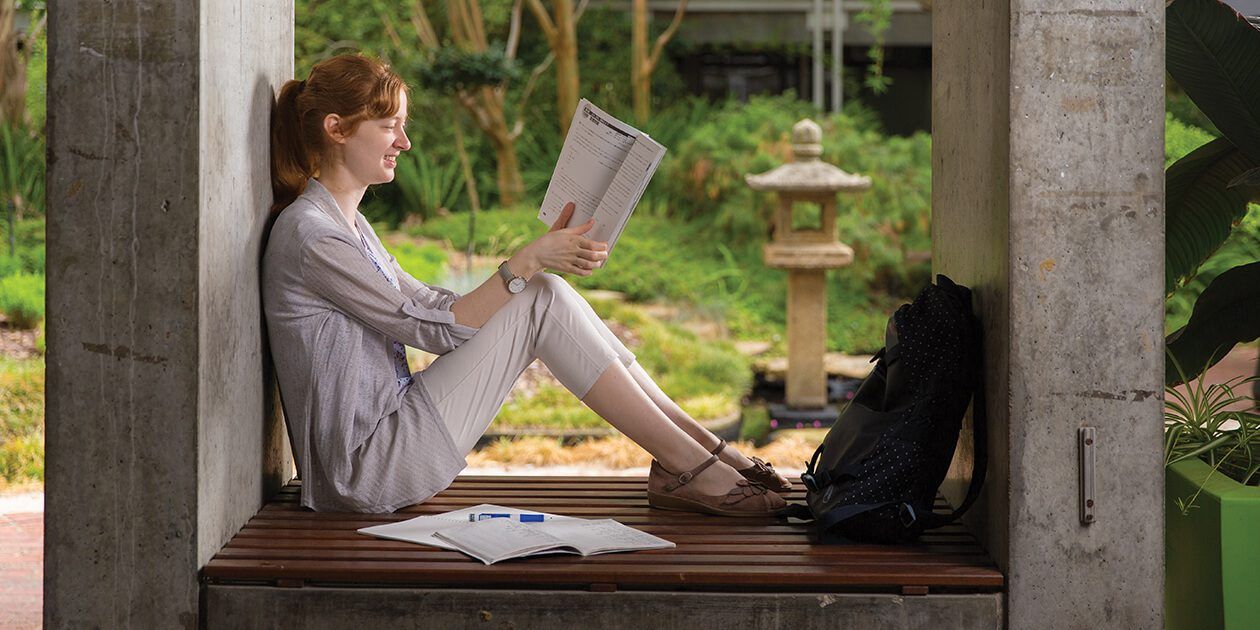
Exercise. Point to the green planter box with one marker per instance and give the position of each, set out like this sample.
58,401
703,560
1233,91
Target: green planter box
1213,553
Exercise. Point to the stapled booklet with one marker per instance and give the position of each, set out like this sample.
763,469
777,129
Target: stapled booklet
604,167
505,536
493,540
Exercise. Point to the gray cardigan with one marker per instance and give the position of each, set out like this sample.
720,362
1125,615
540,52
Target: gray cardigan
331,320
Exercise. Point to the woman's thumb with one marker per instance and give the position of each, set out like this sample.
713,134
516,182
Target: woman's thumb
582,229
566,213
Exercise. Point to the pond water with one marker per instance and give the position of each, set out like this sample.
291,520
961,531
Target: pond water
460,281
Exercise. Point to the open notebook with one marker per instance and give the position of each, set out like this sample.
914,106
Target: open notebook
496,539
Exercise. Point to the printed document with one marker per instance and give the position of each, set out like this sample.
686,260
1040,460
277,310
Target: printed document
604,167
505,536
501,539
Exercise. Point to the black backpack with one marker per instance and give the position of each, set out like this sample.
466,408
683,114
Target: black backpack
876,474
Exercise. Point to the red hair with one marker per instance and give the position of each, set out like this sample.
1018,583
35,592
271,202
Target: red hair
354,87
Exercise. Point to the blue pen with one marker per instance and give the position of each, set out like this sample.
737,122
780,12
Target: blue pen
524,518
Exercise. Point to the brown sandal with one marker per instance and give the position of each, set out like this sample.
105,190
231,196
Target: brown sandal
668,491
761,472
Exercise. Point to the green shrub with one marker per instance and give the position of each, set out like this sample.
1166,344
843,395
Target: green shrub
1184,110
1181,138
9,265
37,80
21,169
663,258
756,424
29,238
22,299
499,231
424,261
1242,246
704,182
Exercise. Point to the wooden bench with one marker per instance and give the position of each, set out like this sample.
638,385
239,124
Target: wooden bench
291,567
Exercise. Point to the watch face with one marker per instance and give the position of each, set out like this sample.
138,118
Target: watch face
516,285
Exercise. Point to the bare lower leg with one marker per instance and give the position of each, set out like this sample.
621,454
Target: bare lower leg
617,398
683,420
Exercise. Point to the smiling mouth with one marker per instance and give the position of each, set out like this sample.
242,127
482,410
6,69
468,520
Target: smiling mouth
391,160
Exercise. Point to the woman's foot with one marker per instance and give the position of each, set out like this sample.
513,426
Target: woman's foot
691,491
754,469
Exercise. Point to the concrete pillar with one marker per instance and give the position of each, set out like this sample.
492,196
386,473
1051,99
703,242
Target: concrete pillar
807,338
163,428
1048,199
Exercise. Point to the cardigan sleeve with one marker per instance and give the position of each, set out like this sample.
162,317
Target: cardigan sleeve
431,295
427,293
419,316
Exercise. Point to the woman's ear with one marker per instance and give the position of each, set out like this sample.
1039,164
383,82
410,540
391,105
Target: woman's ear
332,127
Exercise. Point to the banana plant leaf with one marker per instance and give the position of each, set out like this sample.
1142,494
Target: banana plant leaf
1214,54
1249,183
1224,315
1202,207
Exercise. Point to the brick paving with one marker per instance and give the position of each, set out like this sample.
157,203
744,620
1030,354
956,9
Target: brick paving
21,570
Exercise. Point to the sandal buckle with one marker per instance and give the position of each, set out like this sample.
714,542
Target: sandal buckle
685,477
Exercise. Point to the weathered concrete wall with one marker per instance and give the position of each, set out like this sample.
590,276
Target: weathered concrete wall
158,413
318,608
1075,93
970,217
246,54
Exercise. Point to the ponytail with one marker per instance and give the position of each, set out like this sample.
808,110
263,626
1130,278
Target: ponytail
354,87
291,163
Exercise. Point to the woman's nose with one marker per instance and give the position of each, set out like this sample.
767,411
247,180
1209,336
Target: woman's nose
403,143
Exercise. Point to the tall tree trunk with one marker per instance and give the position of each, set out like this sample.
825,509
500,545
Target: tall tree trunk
643,62
12,69
470,185
565,48
640,79
484,104
560,29
511,186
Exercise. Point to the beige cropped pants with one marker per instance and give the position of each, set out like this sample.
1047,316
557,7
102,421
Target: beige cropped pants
550,321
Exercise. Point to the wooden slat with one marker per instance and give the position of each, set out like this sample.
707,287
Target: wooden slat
673,557
793,549
287,543
583,572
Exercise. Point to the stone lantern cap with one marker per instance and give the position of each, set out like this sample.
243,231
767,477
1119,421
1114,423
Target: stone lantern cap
807,173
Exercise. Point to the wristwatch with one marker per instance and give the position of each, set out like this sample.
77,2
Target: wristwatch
515,284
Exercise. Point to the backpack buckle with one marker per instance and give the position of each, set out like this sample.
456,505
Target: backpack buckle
907,515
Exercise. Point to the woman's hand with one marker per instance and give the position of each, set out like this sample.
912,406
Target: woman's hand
561,249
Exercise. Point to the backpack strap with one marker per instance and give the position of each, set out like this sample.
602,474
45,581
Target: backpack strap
979,448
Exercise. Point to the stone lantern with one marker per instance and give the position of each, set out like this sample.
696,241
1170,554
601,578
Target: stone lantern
806,251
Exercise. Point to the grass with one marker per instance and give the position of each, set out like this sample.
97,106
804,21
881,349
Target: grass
421,260
707,378
21,421
22,273
22,299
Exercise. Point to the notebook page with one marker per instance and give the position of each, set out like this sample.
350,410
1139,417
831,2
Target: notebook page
602,536
500,539
592,153
421,529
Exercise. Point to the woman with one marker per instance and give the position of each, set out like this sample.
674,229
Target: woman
368,434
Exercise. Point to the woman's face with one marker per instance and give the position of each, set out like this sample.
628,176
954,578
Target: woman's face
371,152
